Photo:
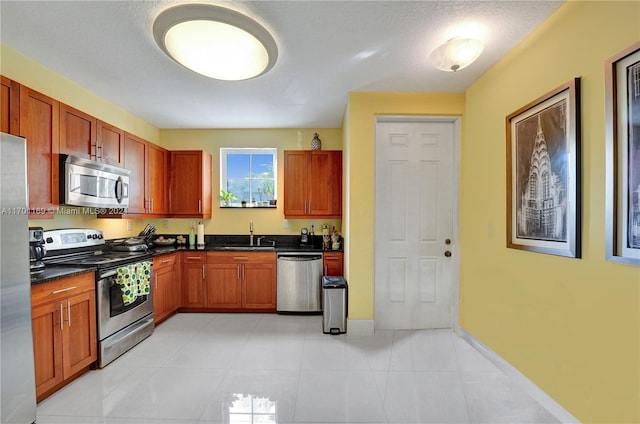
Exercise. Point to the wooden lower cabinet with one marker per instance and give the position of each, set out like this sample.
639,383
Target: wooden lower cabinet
194,278
332,263
64,331
241,280
166,286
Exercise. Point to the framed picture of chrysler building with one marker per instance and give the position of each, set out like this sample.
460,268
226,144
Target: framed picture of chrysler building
543,174
622,90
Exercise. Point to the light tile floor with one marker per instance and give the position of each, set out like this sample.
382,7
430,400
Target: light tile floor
244,368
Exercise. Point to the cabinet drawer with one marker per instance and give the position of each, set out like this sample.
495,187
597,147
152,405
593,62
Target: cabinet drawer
164,261
240,257
194,257
63,288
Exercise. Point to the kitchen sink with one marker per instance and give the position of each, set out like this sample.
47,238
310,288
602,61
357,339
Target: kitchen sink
246,248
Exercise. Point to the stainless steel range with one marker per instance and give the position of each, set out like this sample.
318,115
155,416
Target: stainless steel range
124,293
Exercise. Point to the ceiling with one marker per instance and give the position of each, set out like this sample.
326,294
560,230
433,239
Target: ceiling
326,50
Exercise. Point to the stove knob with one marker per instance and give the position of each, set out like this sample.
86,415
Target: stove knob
49,240
100,236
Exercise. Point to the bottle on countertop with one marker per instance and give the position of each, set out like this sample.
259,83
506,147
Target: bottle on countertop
326,238
192,236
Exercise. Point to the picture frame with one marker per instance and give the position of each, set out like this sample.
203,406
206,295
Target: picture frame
544,174
622,181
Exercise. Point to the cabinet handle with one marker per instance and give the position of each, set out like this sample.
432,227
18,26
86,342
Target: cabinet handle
63,290
156,278
238,271
240,258
326,270
61,317
98,156
203,273
330,258
95,146
69,312
193,257
243,272
166,261
199,206
151,203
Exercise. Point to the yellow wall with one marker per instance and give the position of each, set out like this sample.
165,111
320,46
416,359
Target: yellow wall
359,147
570,325
236,221
27,72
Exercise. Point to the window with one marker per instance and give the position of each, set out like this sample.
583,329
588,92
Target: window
248,177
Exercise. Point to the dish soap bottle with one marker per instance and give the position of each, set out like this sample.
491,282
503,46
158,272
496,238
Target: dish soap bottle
192,236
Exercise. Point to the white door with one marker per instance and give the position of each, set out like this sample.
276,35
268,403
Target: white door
415,213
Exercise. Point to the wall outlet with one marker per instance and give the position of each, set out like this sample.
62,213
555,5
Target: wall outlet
129,225
285,224
165,224
192,223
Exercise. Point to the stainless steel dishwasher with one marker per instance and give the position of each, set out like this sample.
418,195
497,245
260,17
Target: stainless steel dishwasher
299,282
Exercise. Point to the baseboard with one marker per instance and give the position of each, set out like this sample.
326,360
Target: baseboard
360,327
520,379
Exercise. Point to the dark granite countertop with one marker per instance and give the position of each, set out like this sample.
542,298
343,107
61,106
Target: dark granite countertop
54,272
235,243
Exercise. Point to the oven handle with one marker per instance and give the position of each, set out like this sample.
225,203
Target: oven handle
108,274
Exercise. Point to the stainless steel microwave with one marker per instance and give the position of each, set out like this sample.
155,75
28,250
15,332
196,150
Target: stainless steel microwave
85,182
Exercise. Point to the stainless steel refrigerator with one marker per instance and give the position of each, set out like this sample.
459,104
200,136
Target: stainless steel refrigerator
17,378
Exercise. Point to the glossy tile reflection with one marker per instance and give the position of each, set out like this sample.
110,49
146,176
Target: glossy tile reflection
255,368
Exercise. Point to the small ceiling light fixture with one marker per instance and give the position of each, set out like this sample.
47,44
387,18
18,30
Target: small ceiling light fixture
456,54
216,42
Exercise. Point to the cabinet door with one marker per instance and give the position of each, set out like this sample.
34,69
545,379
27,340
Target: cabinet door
77,133
223,286
159,300
325,183
39,124
296,171
47,345
9,106
165,280
135,161
190,184
110,143
259,286
333,264
193,285
80,345
157,170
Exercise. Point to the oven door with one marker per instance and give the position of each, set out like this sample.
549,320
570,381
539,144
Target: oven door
114,313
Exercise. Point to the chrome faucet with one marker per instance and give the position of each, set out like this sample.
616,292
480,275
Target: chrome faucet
273,242
251,233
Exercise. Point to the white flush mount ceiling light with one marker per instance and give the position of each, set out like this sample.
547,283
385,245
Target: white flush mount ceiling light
216,42
456,54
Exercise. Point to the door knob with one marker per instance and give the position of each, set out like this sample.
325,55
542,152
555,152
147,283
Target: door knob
447,254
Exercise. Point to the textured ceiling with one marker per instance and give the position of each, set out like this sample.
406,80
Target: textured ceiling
326,50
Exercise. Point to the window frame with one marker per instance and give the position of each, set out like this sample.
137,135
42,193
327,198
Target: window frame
225,151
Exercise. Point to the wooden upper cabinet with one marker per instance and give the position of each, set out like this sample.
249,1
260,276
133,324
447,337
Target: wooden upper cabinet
313,184
9,106
190,184
39,117
135,154
157,187
77,133
109,144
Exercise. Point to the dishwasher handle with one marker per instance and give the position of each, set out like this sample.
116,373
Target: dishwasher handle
299,258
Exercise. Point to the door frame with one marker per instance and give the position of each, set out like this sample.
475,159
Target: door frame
455,250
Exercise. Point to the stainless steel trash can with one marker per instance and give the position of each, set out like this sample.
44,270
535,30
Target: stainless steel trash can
334,305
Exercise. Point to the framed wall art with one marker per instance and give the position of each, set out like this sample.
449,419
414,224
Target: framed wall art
543,174
622,88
